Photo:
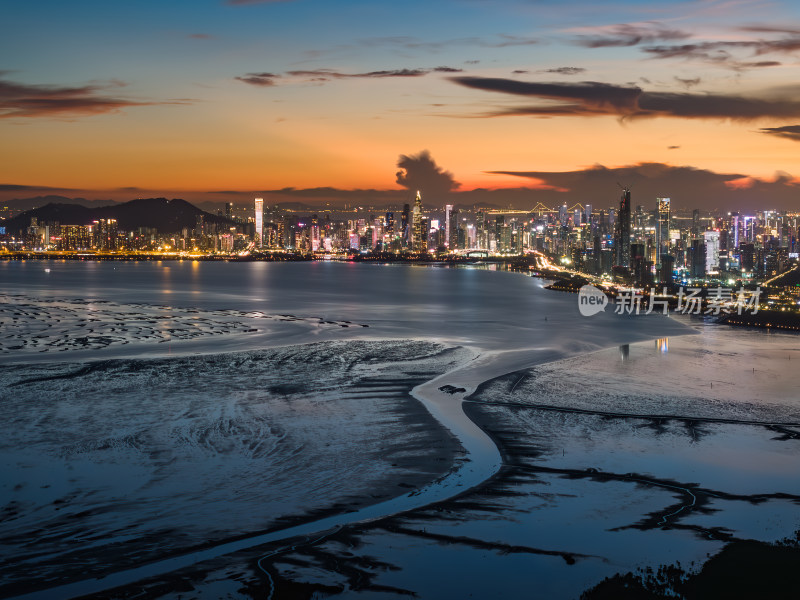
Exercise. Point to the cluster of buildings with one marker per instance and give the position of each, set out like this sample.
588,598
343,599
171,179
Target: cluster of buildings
101,234
104,235
640,245
643,246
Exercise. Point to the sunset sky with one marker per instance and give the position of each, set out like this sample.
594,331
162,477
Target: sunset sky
215,99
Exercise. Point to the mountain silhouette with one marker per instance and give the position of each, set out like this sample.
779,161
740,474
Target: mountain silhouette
166,216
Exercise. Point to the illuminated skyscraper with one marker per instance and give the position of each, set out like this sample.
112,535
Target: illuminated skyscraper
449,227
711,239
259,210
405,230
662,228
418,233
622,243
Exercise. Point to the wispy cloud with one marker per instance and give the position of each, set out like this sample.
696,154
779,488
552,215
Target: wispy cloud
687,82
329,73
260,79
657,41
27,100
565,70
502,40
591,98
628,34
721,53
321,75
789,132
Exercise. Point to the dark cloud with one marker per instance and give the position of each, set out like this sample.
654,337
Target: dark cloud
789,132
420,172
656,41
565,70
519,72
688,83
627,34
672,147
722,53
711,106
321,75
591,98
760,63
260,79
688,187
328,73
26,100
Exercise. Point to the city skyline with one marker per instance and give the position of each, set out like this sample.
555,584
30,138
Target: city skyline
228,100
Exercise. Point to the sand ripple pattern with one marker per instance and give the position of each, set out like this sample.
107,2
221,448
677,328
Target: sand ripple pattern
142,458
34,325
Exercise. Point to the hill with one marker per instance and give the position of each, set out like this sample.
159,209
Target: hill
166,216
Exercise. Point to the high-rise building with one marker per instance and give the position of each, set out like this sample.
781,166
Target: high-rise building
450,225
404,225
104,232
622,243
712,251
419,239
259,214
316,239
229,210
697,259
563,215
662,228
75,237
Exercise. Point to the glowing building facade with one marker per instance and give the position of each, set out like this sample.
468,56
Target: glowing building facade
419,243
259,210
662,228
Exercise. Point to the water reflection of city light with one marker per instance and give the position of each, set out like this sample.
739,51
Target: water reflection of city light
662,344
